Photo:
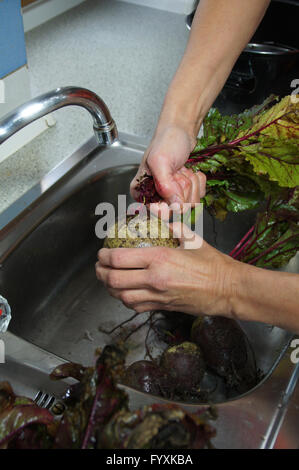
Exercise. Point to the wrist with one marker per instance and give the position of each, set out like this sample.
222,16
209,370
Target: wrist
174,130
184,107
223,284
233,283
236,287
189,99
250,286
181,114
228,287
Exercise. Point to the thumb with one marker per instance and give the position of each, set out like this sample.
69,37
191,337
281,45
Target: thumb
189,240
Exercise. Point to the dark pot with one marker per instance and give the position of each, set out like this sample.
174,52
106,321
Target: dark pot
269,63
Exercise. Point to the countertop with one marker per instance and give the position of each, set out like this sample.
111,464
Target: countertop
127,54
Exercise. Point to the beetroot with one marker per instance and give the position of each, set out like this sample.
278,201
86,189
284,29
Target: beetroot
173,327
147,190
146,376
226,351
185,365
139,232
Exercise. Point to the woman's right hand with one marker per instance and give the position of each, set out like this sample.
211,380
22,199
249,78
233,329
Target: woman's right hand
165,160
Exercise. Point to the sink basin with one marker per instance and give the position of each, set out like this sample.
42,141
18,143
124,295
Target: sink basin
47,257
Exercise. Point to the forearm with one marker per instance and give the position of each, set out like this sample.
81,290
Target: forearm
266,296
220,31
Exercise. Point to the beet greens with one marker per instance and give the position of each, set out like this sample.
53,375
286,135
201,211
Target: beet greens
97,415
250,159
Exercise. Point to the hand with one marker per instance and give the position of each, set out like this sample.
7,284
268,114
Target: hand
164,160
187,279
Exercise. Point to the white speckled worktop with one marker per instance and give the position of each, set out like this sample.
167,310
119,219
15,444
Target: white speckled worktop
125,53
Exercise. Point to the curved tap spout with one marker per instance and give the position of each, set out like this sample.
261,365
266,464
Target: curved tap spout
104,126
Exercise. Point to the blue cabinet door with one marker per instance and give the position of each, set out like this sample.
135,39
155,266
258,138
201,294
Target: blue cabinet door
12,41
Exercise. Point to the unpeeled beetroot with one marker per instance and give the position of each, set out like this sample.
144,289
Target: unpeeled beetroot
185,366
148,377
172,327
144,230
226,351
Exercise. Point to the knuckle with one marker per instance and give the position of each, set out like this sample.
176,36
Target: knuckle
153,156
127,298
162,254
113,279
100,254
203,178
189,181
194,177
139,309
158,281
115,258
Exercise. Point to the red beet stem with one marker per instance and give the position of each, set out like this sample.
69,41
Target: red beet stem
241,242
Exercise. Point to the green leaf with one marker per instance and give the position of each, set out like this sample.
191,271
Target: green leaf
241,202
265,138
280,121
220,129
218,183
248,159
235,193
278,159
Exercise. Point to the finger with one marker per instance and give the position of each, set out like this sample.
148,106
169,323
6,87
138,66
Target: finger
164,180
193,192
148,307
186,171
125,258
184,181
132,297
122,278
202,183
197,179
195,189
189,239
160,209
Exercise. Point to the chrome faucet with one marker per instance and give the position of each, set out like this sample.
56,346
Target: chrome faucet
104,126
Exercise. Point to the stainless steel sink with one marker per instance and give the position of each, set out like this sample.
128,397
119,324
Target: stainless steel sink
47,256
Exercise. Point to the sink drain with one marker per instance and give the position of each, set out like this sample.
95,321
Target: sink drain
45,400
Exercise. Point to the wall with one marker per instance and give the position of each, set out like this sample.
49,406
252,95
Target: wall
41,11
12,42
175,6
14,74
